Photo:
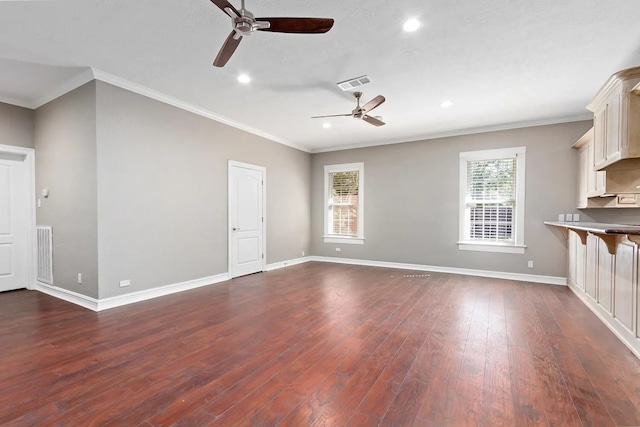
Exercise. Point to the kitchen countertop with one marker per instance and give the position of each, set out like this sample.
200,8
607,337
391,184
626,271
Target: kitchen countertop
596,227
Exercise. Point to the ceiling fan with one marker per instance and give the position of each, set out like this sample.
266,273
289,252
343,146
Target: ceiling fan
361,112
243,24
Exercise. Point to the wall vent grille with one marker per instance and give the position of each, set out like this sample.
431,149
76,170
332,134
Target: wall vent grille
354,83
45,254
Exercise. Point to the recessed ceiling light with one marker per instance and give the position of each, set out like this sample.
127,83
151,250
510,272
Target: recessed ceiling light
243,78
446,104
326,125
411,25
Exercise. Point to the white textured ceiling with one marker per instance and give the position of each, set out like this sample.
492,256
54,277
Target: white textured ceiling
502,63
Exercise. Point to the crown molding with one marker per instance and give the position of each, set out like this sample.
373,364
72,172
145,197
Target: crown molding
75,82
462,132
175,102
94,74
15,101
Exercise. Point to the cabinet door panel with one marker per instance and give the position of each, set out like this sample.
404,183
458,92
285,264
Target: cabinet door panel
581,252
600,136
584,176
623,285
605,276
572,256
591,267
612,143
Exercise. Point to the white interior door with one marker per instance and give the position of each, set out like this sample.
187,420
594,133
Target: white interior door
13,222
246,219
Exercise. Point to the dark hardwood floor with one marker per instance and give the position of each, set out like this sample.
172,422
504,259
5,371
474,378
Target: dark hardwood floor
319,344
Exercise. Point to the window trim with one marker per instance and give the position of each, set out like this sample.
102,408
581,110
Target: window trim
518,246
335,238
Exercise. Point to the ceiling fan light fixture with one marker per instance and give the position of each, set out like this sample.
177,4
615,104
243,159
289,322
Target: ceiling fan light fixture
411,25
446,104
244,78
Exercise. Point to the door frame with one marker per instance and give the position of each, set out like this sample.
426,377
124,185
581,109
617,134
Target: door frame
30,165
263,170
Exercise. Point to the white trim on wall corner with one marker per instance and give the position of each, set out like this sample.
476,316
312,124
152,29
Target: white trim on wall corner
550,280
288,263
67,295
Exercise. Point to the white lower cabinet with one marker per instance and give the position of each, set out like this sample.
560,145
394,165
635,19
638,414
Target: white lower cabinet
607,283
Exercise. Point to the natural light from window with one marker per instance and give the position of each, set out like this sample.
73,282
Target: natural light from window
344,196
492,200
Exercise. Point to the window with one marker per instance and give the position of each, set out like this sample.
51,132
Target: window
343,201
492,200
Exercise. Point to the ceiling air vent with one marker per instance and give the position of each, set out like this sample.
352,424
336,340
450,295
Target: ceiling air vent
354,83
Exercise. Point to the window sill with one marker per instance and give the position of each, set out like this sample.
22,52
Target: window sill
491,247
344,239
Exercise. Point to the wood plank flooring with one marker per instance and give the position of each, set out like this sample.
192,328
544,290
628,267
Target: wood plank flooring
319,345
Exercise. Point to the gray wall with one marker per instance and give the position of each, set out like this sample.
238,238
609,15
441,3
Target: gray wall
412,197
162,192
65,143
16,126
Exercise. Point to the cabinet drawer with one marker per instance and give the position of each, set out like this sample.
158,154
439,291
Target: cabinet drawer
627,199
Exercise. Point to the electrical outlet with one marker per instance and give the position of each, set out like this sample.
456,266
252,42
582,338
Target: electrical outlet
79,278
576,217
125,283
568,217
337,249
530,264
560,217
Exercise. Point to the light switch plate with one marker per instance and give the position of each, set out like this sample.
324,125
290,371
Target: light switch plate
561,218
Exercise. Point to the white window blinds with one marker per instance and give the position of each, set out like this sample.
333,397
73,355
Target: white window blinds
343,203
491,199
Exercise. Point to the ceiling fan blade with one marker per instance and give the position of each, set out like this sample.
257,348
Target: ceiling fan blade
373,120
297,25
332,115
227,49
224,5
373,103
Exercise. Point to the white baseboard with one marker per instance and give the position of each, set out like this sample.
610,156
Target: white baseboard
67,295
120,300
550,280
289,263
